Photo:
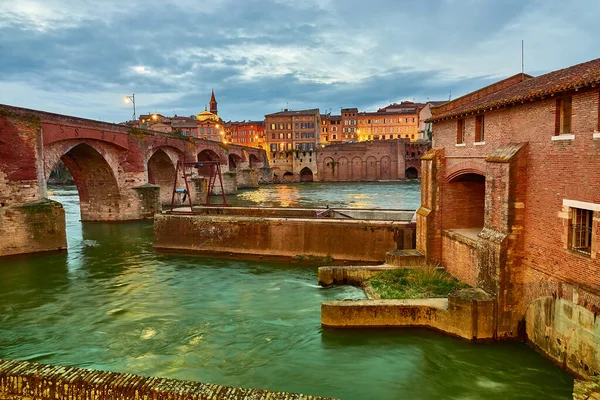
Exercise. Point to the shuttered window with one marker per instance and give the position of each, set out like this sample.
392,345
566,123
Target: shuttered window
563,115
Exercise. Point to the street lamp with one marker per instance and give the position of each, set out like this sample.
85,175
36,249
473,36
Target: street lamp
128,99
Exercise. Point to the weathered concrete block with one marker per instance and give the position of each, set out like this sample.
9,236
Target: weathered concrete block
566,332
349,275
32,227
467,313
265,175
247,178
367,241
405,258
229,184
149,200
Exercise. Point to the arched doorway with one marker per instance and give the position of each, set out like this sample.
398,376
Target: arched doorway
385,168
464,203
343,169
411,173
161,172
99,195
357,167
371,168
287,177
306,175
328,171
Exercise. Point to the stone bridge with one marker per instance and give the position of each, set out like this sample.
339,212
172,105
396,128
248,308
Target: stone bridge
121,173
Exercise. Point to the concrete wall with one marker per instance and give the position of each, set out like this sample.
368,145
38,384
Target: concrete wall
247,178
21,380
33,227
285,212
566,332
287,237
467,313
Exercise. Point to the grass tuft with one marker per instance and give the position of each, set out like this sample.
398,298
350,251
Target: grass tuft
417,283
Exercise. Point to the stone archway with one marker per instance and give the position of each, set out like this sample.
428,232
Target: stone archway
161,172
254,162
306,175
357,169
234,162
385,168
99,194
411,173
343,169
465,196
371,168
327,172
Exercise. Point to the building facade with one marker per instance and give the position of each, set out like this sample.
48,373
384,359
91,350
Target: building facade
511,204
292,130
246,133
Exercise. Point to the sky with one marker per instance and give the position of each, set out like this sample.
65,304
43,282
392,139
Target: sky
81,57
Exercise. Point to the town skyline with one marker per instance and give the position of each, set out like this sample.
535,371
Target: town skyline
74,58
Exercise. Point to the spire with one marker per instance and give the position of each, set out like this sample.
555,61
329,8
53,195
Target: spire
213,103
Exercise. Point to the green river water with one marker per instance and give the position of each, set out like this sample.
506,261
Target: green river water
112,303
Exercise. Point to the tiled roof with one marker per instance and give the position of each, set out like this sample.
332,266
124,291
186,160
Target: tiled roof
292,112
437,103
574,77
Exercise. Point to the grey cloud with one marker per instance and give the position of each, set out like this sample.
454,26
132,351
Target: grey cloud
261,55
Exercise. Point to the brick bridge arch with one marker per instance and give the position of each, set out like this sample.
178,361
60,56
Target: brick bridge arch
122,173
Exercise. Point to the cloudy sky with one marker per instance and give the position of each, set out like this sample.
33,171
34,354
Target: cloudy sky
80,57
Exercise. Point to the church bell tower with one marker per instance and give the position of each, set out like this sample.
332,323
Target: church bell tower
213,103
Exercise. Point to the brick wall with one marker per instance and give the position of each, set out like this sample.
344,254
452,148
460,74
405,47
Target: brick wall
529,211
460,257
26,380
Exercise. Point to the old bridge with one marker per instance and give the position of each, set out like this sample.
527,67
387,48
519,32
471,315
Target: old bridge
121,173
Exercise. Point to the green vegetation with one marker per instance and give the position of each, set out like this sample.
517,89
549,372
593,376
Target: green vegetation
312,259
417,283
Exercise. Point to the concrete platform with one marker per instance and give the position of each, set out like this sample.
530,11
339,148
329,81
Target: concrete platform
467,313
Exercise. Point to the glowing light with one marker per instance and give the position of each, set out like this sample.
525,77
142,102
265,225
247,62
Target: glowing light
154,116
127,100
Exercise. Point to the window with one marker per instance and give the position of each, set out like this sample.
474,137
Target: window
479,129
460,131
580,230
272,126
563,115
333,137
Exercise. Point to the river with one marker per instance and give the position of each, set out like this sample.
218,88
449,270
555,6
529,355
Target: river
112,303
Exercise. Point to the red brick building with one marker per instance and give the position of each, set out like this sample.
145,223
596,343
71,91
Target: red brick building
511,204
246,133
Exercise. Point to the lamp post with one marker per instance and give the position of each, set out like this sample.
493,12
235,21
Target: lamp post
128,99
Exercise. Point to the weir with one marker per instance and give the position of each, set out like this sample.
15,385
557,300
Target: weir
350,235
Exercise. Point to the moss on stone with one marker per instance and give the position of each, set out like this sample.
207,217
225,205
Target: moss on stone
29,118
312,259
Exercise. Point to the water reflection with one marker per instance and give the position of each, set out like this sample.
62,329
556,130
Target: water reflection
114,304
391,195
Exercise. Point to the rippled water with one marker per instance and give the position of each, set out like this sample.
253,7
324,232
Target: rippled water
404,195
113,303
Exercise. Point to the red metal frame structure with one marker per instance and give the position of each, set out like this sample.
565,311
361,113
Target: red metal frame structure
214,173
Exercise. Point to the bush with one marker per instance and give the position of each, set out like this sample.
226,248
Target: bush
418,283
